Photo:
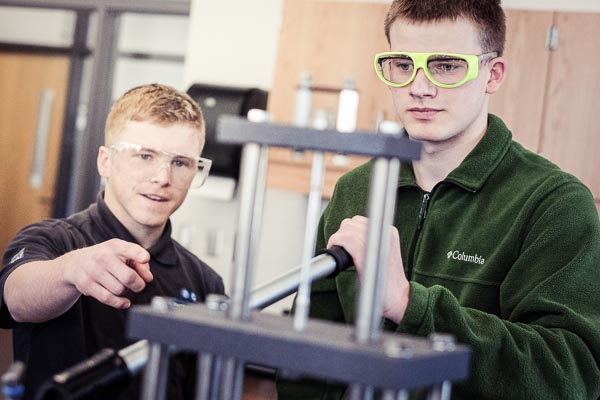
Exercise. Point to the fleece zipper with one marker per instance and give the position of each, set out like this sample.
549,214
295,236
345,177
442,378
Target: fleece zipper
422,215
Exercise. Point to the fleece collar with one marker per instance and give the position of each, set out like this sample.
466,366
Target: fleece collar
475,169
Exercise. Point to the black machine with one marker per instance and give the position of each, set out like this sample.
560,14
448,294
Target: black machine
219,100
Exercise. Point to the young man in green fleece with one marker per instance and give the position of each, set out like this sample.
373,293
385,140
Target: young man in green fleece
492,243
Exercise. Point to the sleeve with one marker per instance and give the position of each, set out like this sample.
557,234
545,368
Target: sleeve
40,241
546,342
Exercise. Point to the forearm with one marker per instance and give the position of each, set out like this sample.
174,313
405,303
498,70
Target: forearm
38,291
553,357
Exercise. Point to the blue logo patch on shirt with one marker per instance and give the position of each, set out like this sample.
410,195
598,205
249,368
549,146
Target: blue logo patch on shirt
186,296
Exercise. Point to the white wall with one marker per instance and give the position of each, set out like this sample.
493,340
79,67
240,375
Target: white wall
233,42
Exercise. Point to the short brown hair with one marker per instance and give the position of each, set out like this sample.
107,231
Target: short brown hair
155,103
487,15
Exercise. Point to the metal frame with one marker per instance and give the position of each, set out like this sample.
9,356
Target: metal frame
361,355
235,130
82,181
323,349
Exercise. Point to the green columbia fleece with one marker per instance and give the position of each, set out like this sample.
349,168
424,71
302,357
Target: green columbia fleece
505,255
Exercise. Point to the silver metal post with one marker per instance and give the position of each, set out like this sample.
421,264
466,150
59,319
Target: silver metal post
310,237
204,376
440,392
155,377
395,395
250,209
252,187
154,384
381,196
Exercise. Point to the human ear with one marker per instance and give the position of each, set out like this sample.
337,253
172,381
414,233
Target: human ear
103,161
498,67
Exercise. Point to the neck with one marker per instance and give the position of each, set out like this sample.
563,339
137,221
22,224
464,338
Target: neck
145,235
439,159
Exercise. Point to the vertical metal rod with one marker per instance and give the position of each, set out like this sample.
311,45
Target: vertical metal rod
204,376
376,243
395,395
252,187
383,181
361,392
251,160
155,377
233,379
310,237
440,391
389,209
86,182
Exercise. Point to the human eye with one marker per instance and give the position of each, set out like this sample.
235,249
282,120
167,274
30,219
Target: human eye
182,162
446,65
144,155
402,64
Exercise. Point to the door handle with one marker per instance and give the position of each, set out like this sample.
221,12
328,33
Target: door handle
42,131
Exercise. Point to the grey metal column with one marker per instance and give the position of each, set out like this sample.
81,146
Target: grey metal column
382,199
252,183
86,183
252,187
310,235
67,150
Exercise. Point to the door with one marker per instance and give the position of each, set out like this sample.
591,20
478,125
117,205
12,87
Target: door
571,124
520,100
32,102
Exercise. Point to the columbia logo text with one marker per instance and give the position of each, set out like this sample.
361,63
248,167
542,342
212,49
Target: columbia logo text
461,256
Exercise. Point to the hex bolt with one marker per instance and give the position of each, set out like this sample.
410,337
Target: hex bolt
442,342
217,302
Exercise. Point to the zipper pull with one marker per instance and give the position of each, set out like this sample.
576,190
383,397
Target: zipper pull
423,211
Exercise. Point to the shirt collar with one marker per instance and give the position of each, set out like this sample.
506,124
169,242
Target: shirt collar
472,173
110,227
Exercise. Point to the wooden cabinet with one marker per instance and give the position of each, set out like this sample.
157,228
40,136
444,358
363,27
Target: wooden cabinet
571,120
519,102
332,41
551,97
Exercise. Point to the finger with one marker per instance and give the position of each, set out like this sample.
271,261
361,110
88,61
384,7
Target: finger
129,251
104,296
127,276
111,283
143,270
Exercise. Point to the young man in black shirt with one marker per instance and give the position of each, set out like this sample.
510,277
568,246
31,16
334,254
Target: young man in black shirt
66,284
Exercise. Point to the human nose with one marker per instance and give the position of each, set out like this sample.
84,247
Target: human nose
162,175
421,85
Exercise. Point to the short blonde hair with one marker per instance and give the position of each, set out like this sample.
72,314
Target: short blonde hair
154,103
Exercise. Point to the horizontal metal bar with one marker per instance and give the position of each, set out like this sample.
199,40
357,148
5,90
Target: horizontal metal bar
287,283
174,7
325,349
236,130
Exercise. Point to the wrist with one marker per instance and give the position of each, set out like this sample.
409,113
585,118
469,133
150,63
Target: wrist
396,311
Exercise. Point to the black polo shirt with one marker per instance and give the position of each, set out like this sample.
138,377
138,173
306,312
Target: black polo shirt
89,326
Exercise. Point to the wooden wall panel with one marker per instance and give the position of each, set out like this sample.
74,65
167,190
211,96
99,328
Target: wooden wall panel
519,102
571,120
332,41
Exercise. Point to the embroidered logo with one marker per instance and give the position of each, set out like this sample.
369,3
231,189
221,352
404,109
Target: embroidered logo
18,256
461,256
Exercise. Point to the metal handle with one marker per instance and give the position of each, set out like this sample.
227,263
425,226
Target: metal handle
38,164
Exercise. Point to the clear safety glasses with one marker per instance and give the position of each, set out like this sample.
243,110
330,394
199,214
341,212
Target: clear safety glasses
185,171
446,70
